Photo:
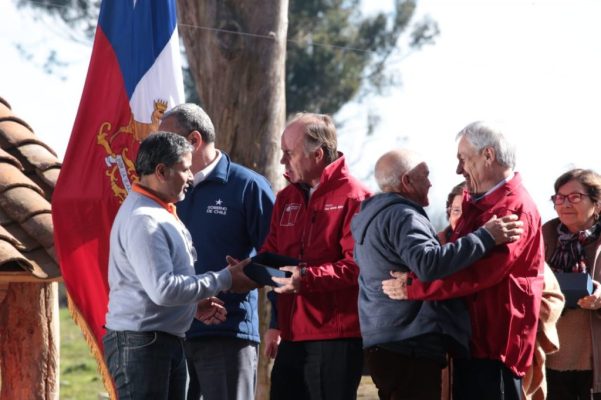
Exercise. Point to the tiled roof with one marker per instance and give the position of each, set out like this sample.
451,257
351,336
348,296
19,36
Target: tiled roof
28,173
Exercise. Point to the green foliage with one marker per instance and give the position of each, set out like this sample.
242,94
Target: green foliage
334,53
79,378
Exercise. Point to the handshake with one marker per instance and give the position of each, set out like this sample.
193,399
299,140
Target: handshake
211,310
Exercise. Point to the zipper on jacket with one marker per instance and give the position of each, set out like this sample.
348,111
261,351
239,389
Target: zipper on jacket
306,238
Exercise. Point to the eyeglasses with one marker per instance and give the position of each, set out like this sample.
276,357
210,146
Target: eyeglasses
454,211
573,198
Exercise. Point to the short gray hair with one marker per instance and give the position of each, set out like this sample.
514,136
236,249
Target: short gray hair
190,117
320,131
161,148
482,135
392,165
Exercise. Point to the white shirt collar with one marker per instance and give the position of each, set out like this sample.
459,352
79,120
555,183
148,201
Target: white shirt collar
203,173
498,185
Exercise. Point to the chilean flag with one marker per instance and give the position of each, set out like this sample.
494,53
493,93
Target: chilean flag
134,76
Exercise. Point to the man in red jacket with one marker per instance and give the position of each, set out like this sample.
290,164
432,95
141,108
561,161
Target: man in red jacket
503,290
320,355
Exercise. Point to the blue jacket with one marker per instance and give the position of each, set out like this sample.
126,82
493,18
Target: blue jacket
394,234
228,214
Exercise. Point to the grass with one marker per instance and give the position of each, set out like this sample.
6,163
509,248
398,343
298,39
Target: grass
79,378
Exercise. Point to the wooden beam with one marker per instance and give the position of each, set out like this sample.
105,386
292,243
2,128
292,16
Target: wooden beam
25,277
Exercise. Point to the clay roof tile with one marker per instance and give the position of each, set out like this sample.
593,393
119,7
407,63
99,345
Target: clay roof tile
15,235
11,259
40,227
50,176
15,132
38,156
28,173
11,176
8,158
21,203
4,219
5,110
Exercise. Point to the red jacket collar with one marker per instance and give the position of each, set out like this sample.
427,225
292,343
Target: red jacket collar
334,170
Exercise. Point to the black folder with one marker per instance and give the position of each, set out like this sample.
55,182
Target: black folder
263,267
574,286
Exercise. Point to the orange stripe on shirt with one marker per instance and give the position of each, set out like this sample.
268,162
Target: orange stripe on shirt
167,206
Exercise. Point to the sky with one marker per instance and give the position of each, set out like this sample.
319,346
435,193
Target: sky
532,66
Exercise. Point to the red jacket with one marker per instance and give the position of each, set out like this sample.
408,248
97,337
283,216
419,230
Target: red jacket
503,290
317,231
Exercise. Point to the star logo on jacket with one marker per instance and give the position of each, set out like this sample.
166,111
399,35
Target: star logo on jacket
218,208
290,214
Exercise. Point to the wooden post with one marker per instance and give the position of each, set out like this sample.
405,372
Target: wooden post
29,341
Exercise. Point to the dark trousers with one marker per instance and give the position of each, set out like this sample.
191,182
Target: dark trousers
400,377
570,385
146,365
322,369
480,379
221,368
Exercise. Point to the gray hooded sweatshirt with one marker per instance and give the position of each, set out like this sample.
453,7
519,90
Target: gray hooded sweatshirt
394,234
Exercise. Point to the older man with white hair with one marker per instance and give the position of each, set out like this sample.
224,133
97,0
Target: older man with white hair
502,290
407,342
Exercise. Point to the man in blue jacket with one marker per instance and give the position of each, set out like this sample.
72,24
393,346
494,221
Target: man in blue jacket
407,342
228,212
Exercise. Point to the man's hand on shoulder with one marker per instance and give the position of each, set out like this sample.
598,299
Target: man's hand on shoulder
504,229
240,282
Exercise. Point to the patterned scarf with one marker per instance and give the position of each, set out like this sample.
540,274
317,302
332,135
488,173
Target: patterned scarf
569,254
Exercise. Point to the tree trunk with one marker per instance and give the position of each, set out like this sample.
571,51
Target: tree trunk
237,51
29,342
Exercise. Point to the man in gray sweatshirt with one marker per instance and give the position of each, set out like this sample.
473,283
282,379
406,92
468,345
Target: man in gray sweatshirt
154,293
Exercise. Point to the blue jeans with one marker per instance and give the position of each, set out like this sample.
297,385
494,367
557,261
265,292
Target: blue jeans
146,365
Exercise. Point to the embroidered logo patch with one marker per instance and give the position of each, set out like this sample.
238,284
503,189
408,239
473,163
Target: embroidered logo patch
218,208
332,207
290,214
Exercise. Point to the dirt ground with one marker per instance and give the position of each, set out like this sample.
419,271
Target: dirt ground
367,389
